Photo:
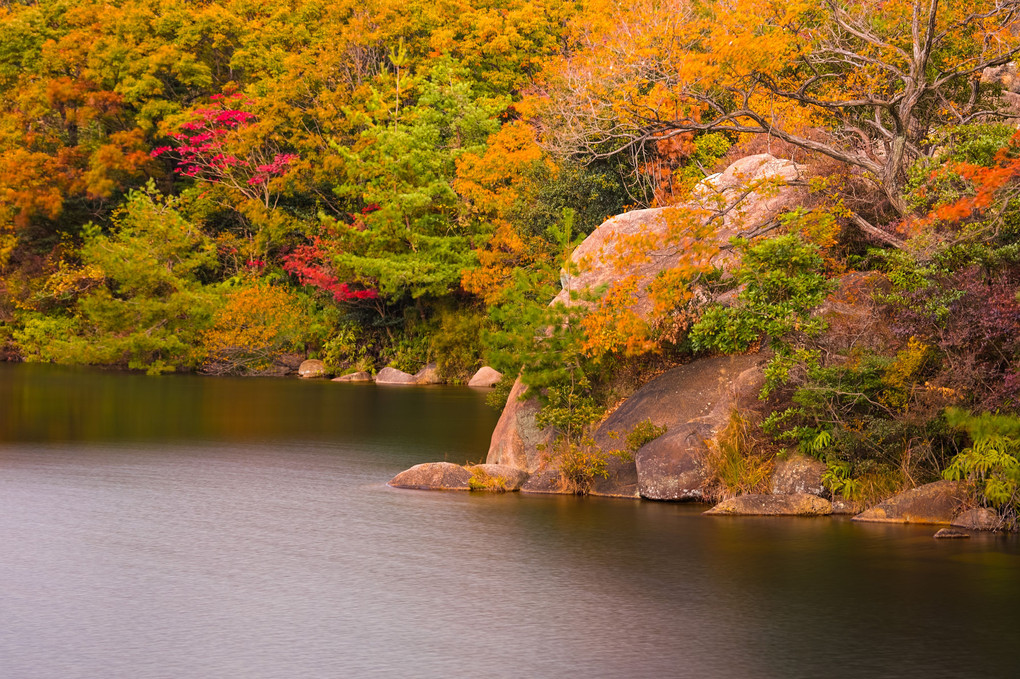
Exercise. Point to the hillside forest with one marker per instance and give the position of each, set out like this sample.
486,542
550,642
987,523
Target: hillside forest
219,186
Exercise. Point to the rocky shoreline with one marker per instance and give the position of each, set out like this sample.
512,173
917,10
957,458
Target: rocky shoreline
692,407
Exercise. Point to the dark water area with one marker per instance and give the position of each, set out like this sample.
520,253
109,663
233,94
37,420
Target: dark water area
196,527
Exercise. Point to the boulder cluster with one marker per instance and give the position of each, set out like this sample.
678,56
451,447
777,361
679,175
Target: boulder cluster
485,377
690,406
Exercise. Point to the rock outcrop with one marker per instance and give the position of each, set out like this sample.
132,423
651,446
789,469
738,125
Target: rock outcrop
979,518
497,477
934,503
433,476
799,504
394,376
734,211
798,474
673,466
485,377
311,369
360,376
694,403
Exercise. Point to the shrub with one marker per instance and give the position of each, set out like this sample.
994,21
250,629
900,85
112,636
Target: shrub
256,324
581,462
483,480
991,465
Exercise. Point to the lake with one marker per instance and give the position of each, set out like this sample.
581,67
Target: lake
181,526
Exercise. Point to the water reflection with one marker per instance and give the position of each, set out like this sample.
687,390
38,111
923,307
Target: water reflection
219,528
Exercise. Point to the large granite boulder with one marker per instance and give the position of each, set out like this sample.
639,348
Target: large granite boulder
485,377
311,369
798,474
393,376
429,374
360,376
799,504
598,261
433,476
673,466
693,402
935,503
497,477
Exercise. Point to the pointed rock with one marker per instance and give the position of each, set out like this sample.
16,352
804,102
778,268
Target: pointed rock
485,377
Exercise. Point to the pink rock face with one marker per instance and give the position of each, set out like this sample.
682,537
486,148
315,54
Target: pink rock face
723,198
517,436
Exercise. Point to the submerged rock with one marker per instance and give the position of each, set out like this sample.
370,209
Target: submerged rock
360,376
433,476
429,374
950,534
979,518
935,503
799,504
497,477
485,377
311,369
394,376
798,474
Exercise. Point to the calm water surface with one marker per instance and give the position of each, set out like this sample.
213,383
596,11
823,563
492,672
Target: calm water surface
185,527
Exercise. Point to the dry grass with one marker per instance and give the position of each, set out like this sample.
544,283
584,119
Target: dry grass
738,460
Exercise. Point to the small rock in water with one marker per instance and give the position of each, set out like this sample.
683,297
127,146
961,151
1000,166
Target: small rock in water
951,534
497,477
